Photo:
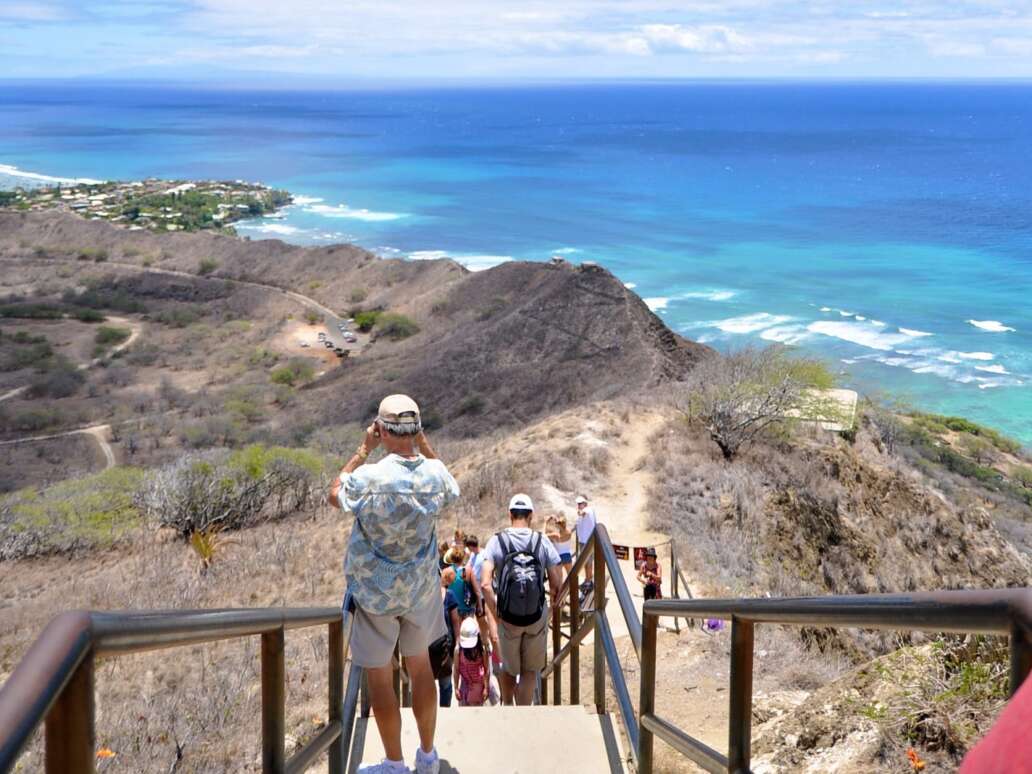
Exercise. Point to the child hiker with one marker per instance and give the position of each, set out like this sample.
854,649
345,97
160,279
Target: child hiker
651,576
472,667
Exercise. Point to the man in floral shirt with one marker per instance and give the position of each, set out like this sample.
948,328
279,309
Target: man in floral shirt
391,570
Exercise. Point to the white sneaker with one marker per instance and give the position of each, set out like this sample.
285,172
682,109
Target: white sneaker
384,767
427,764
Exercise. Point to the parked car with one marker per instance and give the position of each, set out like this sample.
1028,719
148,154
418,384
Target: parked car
305,344
339,352
322,335
350,337
328,344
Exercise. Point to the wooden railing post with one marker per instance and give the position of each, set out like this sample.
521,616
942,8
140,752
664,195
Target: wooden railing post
599,604
647,691
557,645
739,746
397,673
274,700
335,670
1020,656
574,652
70,733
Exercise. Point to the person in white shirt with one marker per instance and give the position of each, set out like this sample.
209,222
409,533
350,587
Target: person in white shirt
586,522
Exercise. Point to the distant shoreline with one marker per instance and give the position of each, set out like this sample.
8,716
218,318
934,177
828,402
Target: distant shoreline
152,204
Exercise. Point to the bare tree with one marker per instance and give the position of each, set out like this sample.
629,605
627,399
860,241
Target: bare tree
738,397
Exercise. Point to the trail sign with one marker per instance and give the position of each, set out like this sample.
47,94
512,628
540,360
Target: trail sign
622,552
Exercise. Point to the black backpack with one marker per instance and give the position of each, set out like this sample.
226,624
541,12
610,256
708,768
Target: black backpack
521,583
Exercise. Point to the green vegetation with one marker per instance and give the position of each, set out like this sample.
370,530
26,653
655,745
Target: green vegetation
88,315
60,379
313,317
92,254
37,419
95,510
358,295
742,396
262,356
97,297
395,326
7,198
110,335
200,209
31,311
473,404
207,266
228,491
939,424
293,373
179,317
22,350
365,321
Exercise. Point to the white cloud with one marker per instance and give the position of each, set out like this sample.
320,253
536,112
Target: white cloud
31,12
707,39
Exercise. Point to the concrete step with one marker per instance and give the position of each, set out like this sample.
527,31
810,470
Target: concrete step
509,740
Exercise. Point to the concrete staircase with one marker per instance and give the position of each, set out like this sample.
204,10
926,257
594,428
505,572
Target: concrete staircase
514,740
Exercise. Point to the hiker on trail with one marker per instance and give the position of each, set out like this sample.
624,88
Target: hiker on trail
472,667
464,587
586,522
650,575
443,658
488,626
516,563
391,571
562,539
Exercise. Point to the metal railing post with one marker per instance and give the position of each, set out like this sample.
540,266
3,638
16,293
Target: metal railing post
647,694
557,645
599,604
739,746
274,702
335,670
70,733
574,652
1020,656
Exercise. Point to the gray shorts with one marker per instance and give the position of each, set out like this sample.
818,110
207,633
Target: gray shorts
373,636
524,648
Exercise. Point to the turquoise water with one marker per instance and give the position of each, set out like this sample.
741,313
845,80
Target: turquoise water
884,227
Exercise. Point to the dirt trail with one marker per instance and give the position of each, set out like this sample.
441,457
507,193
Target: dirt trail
99,433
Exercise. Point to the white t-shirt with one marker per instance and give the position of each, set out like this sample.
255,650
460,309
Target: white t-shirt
586,522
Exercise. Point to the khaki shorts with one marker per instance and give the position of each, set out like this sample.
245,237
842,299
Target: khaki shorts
373,636
524,648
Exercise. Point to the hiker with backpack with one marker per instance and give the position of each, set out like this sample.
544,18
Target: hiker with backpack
516,562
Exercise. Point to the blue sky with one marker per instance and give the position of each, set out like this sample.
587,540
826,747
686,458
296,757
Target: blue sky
337,40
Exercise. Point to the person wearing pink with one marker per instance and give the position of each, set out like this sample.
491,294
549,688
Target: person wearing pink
472,667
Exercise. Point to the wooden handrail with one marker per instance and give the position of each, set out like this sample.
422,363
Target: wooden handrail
54,680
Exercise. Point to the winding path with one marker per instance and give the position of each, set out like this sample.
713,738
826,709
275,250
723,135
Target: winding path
99,433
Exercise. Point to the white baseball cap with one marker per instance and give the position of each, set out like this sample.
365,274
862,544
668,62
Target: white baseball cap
469,633
581,500
521,502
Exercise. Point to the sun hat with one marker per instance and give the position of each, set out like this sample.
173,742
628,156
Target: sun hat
469,633
521,502
650,552
398,410
581,500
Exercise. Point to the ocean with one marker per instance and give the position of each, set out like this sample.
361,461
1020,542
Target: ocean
885,227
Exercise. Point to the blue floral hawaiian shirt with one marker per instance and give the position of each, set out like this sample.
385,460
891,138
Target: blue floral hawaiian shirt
391,564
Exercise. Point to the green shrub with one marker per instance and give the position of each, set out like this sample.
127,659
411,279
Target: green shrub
262,357
92,254
94,510
939,424
88,316
143,354
473,404
293,373
207,266
228,491
358,295
365,321
179,316
31,311
109,335
35,419
35,351
395,326
313,317
61,380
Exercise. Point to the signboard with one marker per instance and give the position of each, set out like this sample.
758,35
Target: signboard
639,554
622,552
